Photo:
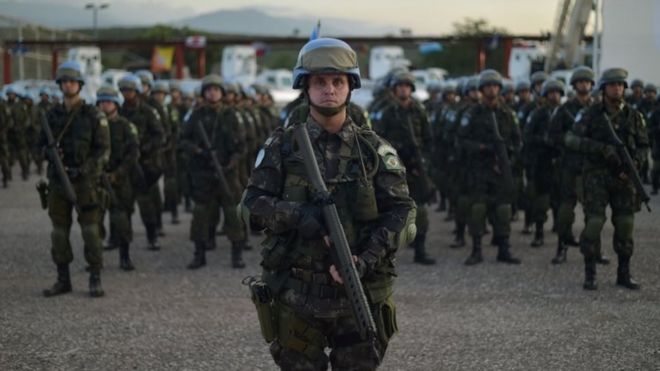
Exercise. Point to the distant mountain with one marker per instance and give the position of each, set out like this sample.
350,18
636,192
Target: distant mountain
251,21
243,21
73,15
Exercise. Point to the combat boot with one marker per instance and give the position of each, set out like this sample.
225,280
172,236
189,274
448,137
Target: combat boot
95,289
589,274
63,283
460,236
602,260
561,253
237,248
475,257
152,237
199,259
420,251
623,277
125,262
538,236
503,253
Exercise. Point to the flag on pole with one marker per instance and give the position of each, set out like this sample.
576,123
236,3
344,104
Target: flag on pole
316,32
161,59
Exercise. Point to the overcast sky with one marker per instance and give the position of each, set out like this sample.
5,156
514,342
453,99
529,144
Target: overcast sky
422,16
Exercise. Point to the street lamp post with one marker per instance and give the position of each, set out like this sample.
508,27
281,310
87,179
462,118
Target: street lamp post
95,14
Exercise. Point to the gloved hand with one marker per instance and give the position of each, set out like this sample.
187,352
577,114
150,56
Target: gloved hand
311,225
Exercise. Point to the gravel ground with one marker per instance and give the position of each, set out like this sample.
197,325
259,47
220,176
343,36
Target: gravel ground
451,317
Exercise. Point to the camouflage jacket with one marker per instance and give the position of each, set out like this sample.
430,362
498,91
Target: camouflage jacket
373,204
590,127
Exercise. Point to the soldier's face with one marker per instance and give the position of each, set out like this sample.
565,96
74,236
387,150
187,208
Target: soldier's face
650,95
159,97
583,87
129,94
450,97
109,108
213,94
524,95
328,90
614,90
490,91
554,97
403,91
69,88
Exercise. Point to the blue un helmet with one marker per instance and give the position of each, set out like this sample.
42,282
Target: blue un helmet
69,70
132,82
326,55
108,93
146,77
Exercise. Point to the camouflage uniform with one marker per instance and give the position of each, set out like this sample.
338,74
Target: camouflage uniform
601,169
485,184
541,156
5,124
227,139
18,136
146,175
82,141
311,310
407,128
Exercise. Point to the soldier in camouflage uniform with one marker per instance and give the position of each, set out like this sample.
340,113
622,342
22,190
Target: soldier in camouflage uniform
5,124
654,138
637,93
570,162
458,173
537,79
486,186
18,132
227,138
404,123
541,155
524,97
124,152
150,165
82,138
170,119
646,107
605,176
310,311
440,146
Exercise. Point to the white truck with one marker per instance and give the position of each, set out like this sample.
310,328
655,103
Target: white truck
382,59
239,64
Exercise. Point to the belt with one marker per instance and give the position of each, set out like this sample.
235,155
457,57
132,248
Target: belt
314,289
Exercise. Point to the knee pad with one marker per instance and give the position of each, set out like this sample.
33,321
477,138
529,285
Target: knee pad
593,226
90,234
623,226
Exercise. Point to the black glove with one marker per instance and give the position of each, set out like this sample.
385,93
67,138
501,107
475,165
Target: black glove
310,222
375,249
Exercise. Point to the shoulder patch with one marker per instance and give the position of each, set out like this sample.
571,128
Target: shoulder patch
465,120
392,162
103,122
133,129
385,150
578,116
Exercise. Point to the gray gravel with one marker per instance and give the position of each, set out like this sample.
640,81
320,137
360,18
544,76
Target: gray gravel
451,317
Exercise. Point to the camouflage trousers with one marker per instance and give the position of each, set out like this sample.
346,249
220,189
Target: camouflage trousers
20,153
303,336
121,210
149,202
570,188
488,201
170,182
60,211
4,160
206,214
604,189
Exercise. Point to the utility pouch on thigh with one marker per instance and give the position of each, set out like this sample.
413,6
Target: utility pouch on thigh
263,301
385,318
